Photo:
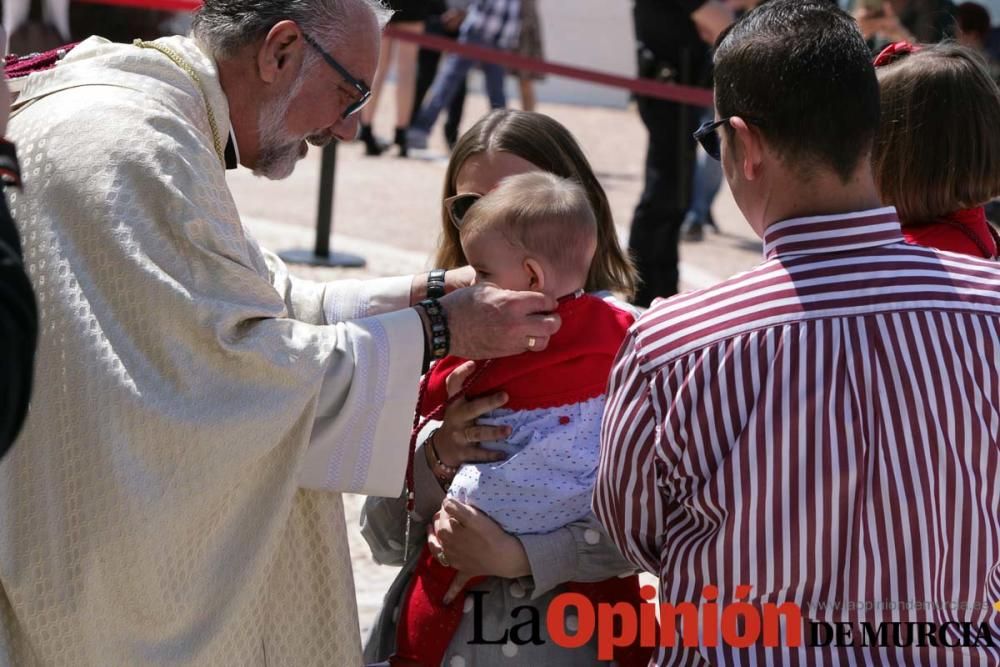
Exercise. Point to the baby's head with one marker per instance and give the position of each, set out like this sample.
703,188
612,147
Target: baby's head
535,231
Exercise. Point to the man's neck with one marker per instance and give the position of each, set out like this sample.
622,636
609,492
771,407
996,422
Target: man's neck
824,193
233,79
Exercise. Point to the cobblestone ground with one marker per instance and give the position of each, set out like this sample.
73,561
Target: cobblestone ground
387,209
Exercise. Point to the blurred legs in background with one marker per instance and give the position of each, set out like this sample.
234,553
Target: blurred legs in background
451,77
428,61
405,56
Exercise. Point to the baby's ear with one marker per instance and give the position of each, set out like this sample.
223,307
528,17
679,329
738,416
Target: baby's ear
536,275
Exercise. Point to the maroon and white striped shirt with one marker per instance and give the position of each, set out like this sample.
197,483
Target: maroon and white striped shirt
823,428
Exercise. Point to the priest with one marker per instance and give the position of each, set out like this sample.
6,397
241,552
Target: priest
174,496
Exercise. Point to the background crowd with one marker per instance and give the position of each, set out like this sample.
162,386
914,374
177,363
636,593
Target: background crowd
680,182
869,162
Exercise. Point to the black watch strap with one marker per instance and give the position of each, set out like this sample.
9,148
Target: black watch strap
435,284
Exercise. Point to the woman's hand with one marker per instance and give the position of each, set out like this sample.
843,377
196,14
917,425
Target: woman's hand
457,441
458,278
475,545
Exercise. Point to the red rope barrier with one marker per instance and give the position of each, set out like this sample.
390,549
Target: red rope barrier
645,87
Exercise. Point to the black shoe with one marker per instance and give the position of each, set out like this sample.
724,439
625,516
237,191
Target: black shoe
373,146
400,141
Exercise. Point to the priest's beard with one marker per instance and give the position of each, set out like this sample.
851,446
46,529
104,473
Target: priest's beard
279,150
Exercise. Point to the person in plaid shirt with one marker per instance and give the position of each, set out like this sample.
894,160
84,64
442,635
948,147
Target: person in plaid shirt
493,23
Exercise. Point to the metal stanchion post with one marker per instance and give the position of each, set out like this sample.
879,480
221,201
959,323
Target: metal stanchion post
321,255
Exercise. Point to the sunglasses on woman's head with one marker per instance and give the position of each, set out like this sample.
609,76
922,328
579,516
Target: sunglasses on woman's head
458,205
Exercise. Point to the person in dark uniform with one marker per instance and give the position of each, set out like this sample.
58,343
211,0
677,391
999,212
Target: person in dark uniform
672,39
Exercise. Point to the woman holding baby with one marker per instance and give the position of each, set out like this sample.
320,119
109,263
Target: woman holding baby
501,514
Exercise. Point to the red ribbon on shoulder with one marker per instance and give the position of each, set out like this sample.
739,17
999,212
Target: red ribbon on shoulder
15,67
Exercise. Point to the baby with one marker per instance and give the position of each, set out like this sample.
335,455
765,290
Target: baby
538,232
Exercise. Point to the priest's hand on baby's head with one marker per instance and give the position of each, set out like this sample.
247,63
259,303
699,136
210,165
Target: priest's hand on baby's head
487,322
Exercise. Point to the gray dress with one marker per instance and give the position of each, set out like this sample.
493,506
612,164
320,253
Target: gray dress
581,551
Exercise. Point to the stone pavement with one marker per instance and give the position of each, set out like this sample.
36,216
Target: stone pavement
388,210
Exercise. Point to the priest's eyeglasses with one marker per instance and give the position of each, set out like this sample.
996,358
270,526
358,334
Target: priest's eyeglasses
364,92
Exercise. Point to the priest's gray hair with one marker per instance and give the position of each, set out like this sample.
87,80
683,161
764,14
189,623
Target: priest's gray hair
226,26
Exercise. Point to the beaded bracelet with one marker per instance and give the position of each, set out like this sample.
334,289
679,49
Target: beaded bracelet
440,336
450,471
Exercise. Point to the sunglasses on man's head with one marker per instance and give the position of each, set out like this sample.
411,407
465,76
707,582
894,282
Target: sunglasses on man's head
458,205
708,135
364,92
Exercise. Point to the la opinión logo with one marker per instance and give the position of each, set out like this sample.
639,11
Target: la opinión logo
738,624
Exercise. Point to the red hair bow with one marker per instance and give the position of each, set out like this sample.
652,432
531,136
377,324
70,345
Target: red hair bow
894,52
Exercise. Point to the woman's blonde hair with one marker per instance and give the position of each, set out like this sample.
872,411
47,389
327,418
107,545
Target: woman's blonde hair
938,147
548,145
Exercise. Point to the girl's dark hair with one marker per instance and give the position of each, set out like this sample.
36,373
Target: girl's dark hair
803,69
938,147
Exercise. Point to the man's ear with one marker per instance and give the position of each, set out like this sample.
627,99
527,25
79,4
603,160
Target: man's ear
281,52
750,147
536,275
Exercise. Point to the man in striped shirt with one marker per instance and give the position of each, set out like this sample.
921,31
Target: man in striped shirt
823,429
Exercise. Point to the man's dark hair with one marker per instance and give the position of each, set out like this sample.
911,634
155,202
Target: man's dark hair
802,69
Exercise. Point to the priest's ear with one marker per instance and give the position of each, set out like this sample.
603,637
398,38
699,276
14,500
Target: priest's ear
281,54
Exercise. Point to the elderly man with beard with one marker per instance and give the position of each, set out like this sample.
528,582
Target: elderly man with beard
174,498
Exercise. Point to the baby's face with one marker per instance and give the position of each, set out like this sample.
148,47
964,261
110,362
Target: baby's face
497,261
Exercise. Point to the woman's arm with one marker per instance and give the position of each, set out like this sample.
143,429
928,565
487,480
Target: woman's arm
320,302
474,544
580,551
